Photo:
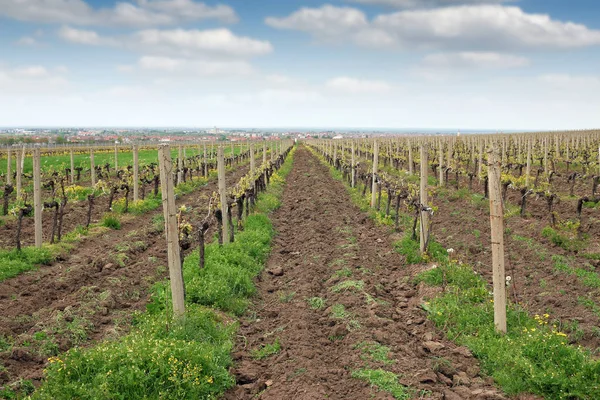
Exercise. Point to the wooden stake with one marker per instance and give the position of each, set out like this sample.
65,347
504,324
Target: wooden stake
136,169
19,175
92,167
205,162
375,165
441,161
9,167
497,225
252,162
37,198
423,196
116,159
528,169
72,167
353,164
171,229
410,159
180,166
223,192
264,153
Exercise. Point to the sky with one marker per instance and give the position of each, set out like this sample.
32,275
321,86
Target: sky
396,64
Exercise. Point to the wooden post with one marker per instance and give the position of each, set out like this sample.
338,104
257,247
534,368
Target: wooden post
9,167
171,228
252,162
19,175
205,162
441,161
528,169
497,225
223,192
352,167
264,153
136,171
410,159
92,167
37,198
180,166
375,165
116,159
480,161
72,167
22,158
423,196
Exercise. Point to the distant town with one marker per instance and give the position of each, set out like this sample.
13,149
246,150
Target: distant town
10,136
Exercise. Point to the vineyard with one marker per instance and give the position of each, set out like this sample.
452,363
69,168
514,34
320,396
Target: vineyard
388,268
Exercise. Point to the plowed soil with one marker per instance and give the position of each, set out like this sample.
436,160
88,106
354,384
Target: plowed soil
322,241
91,293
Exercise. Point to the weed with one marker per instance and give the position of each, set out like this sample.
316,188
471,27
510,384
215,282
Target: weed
376,351
384,380
286,297
266,350
338,311
343,273
348,285
111,221
316,303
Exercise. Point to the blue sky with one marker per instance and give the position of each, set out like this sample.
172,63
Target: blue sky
452,64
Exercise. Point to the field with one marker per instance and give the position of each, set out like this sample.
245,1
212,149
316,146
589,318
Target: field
322,293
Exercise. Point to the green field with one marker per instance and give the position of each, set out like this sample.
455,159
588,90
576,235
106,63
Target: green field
103,157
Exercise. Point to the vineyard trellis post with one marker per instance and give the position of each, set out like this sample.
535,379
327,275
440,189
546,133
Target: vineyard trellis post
528,169
171,229
72,166
205,162
264,153
116,158
92,167
352,166
375,165
441,162
136,168
410,158
223,192
423,200
252,166
19,175
9,167
497,236
37,198
179,165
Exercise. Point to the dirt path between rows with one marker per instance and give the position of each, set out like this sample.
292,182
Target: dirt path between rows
326,248
91,293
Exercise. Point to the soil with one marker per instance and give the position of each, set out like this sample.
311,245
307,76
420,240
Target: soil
93,291
319,232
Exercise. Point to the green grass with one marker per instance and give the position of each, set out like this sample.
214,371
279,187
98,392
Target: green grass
385,381
588,278
316,303
167,357
375,351
338,311
533,357
110,220
13,262
267,350
566,240
348,286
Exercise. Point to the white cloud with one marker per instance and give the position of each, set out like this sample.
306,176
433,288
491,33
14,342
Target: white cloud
37,79
144,13
82,36
185,67
26,41
427,3
357,86
568,81
467,27
466,60
196,43
327,21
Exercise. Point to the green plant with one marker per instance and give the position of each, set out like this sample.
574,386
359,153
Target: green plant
384,380
376,351
345,286
338,311
267,350
15,262
316,303
286,297
111,220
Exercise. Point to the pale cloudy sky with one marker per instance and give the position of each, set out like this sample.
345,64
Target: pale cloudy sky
454,64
